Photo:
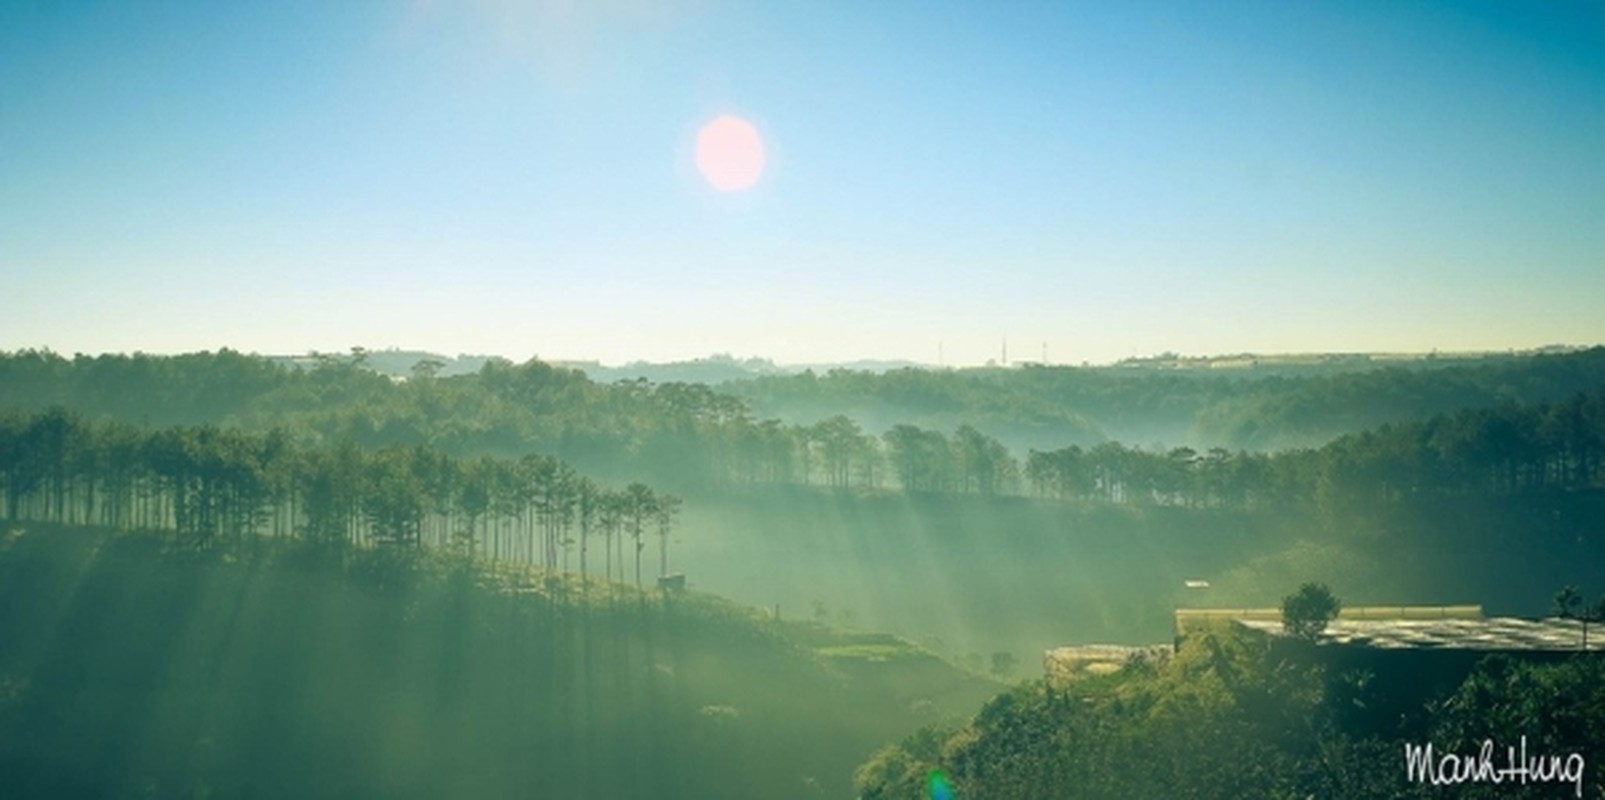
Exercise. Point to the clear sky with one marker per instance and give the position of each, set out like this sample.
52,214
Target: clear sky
518,178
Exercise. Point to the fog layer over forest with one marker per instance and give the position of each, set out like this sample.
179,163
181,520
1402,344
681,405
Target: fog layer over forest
933,530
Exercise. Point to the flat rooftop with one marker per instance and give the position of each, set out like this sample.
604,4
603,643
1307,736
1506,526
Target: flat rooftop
1416,627
1493,633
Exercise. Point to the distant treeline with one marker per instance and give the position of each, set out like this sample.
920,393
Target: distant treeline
1502,422
682,434
208,484
1498,451
1254,406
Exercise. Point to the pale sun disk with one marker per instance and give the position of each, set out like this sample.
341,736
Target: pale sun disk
730,153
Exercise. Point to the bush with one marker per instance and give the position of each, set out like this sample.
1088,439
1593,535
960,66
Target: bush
1306,613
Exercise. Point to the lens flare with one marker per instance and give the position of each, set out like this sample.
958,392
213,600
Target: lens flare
940,789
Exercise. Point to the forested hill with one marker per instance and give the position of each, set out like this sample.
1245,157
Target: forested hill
842,428
1263,404
137,665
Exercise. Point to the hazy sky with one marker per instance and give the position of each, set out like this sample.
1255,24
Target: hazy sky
492,176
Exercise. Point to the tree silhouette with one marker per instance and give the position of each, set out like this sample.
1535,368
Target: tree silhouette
640,506
666,508
1306,612
209,485
1569,605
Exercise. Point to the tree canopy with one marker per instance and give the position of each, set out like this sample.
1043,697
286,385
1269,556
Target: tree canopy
1305,613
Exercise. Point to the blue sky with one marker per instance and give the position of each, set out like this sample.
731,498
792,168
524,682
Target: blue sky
490,176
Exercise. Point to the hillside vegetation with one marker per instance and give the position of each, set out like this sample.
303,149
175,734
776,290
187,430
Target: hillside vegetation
444,585
133,665
830,429
1236,714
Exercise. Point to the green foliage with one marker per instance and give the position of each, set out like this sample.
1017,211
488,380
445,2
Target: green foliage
1567,601
208,485
307,670
1503,425
1003,664
1257,404
1559,707
346,467
902,770
1224,715
1569,604
1306,612
1235,713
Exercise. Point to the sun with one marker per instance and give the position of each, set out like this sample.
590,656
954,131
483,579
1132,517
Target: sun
730,153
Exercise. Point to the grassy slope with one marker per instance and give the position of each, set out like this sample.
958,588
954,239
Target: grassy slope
127,669
124,668
965,574
960,575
